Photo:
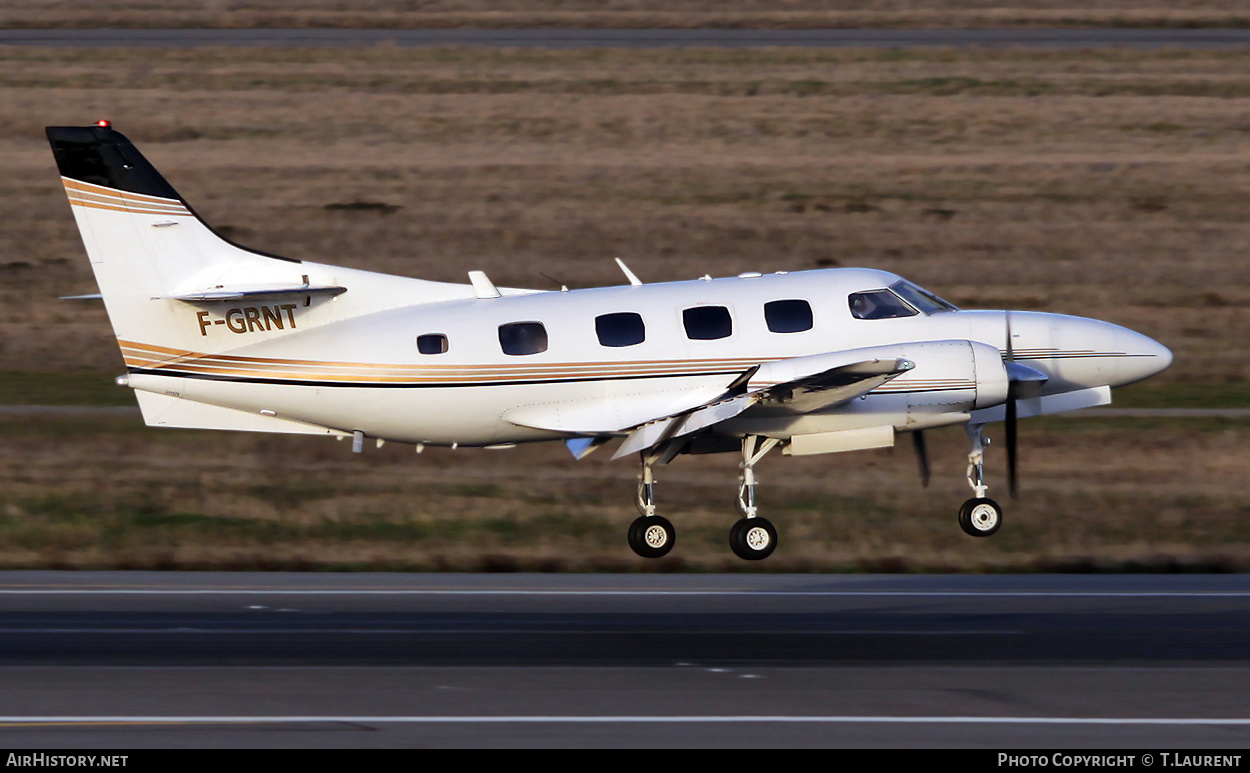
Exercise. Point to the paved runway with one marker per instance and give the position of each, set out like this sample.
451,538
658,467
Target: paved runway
185,659
636,38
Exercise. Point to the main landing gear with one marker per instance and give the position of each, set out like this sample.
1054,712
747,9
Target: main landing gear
650,535
979,516
751,538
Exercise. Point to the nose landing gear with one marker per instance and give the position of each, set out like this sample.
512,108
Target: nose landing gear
979,516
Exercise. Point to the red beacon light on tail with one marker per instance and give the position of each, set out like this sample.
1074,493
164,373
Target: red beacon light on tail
103,124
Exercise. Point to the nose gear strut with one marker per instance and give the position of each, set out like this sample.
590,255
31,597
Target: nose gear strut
979,516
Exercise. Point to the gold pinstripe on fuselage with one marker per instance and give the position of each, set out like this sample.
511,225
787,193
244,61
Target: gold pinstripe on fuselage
158,359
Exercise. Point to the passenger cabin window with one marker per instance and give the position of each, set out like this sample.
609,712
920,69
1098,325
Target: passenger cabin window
879,304
707,323
792,316
621,329
432,343
519,338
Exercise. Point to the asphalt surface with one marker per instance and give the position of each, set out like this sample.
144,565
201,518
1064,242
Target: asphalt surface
636,38
147,660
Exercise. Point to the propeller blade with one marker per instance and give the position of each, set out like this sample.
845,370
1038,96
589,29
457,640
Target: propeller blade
1011,355
1012,410
922,456
1011,441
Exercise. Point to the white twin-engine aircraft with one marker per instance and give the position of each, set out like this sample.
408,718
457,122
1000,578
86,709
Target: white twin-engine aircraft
216,336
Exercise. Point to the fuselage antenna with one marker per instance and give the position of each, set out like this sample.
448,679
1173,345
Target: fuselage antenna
633,280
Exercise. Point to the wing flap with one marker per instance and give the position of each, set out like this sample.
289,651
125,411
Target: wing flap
800,384
670,427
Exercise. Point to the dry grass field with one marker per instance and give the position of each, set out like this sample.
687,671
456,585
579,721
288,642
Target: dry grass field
1098,495
623,13
1112,184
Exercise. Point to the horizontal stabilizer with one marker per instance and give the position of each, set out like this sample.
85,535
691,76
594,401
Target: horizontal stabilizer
251,293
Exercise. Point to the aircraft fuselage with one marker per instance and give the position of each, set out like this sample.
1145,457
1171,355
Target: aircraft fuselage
369,373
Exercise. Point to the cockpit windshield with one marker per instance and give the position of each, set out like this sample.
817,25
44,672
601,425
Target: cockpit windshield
922,299
878,304
901,299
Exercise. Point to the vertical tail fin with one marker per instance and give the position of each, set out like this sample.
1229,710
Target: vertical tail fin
175,288
147,247
102,157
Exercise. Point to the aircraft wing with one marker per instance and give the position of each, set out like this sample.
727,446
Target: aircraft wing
609,416
798,385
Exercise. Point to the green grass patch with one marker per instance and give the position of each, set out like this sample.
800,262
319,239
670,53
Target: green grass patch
1184,394
22,387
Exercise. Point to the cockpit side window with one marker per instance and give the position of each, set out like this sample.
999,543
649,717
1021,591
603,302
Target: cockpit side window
879,304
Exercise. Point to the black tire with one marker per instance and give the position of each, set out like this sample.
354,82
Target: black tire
980,517
753,539
651,536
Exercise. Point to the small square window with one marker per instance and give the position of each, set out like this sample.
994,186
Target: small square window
793,316
518,338
432,343
707,323
622,329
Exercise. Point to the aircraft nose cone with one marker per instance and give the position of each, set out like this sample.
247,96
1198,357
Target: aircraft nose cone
1078,352
1144,356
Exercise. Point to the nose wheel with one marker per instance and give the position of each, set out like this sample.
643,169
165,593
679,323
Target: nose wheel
980,517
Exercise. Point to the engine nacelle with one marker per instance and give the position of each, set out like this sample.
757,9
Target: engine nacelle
947,381
949,377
